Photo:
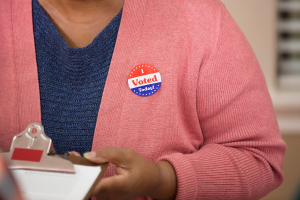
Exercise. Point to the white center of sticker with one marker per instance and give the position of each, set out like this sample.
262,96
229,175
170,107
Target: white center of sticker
144,80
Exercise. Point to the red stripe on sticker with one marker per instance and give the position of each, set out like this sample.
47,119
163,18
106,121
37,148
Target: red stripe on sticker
27,154
141,70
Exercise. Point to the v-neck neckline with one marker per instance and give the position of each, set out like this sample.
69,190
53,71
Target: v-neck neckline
52,29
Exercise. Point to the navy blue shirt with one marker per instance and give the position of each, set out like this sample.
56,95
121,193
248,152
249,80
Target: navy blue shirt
71,81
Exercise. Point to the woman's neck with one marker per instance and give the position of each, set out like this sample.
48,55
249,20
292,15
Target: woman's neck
80,21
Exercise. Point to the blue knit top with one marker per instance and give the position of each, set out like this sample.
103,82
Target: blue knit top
71,81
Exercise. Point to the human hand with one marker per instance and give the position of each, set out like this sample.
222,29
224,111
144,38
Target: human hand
135,176
74,153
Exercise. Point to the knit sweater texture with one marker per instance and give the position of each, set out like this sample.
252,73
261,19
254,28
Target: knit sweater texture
212,117
71,82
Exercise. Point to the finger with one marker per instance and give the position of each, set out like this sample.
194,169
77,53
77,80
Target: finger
74,153
114,183
115,155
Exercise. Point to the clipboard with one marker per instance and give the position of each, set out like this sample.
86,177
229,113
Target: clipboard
30,150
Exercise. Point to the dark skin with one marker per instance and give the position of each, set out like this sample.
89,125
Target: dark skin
135,176
79,22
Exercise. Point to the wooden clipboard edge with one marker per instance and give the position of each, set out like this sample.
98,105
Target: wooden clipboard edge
77,160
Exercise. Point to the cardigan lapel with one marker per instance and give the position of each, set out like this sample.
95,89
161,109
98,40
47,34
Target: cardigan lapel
142,39
123,60
25,63
153,44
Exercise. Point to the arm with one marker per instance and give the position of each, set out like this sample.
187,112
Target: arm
242,151
242,154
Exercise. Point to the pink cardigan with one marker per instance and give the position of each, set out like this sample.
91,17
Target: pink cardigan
212,117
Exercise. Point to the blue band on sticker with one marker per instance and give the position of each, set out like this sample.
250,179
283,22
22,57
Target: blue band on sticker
147,90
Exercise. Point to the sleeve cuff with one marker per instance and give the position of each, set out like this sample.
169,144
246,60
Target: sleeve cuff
185,174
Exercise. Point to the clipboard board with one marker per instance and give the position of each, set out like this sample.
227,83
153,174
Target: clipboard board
30,150
83,161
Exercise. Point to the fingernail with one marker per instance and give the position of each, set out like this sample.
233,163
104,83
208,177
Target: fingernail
90,155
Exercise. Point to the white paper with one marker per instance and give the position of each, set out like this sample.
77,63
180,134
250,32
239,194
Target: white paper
36,185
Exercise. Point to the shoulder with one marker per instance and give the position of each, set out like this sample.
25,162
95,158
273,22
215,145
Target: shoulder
191,13
5,9
200,19
200,7
11,9
206,4
188,12
6,19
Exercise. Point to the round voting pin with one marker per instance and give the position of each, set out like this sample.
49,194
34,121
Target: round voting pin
144,80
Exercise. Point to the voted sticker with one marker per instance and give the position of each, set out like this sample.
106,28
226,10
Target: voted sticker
144,80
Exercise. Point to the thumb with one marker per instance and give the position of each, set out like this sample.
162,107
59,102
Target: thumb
115,155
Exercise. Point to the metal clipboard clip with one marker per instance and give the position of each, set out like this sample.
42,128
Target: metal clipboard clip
29,150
